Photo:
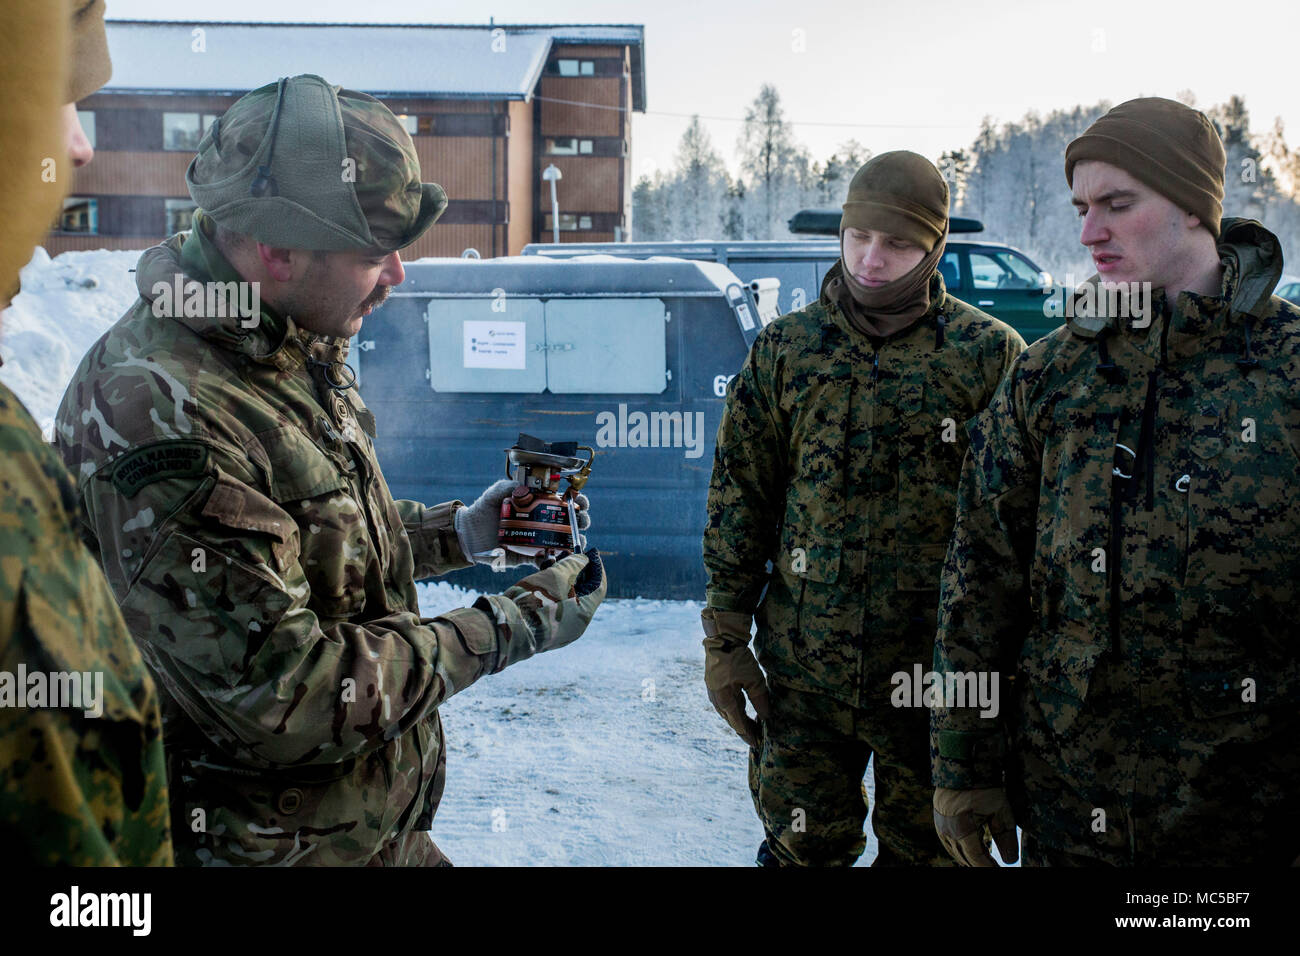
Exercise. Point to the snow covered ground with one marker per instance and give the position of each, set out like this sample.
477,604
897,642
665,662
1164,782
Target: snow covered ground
605,752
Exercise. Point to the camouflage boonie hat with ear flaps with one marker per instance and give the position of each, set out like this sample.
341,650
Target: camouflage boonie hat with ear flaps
301,164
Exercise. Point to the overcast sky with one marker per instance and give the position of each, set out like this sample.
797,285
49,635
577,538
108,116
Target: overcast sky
891,75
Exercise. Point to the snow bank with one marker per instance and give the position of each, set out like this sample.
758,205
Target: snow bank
65,305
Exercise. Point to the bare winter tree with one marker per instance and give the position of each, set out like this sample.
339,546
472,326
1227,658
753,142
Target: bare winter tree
1016,186
699,187
773,164
1011,178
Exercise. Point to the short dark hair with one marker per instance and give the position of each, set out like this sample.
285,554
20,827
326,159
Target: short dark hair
229,241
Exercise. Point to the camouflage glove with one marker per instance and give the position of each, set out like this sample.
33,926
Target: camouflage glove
731,672
548,609
964,819
477,526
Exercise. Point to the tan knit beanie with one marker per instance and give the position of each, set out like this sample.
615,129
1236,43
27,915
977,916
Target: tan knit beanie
1170,147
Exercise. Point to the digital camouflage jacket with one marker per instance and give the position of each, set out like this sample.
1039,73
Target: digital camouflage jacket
1127,548
267,574
837,460
77,788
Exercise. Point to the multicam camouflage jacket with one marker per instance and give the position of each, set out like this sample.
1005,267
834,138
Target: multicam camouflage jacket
82,778
1127,547
837,460
266,572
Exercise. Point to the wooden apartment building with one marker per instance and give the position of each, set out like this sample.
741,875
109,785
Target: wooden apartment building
489,108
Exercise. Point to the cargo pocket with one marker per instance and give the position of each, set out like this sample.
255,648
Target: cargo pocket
809,557
335,544
1219,691
228,607
1232,680
335,814
824,640
1059,669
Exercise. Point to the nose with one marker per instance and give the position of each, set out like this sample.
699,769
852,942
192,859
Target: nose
1093,229
393,273
80,152
873,255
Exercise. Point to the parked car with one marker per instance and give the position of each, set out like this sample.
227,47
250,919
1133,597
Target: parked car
992,276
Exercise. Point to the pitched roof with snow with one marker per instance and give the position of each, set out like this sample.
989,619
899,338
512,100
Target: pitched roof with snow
429,60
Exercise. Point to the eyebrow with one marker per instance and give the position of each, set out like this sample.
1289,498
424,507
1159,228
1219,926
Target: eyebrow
1107,197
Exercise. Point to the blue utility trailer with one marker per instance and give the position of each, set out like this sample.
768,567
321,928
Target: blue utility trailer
630,357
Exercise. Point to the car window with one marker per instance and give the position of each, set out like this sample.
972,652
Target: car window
1290,291
950,269
1003,269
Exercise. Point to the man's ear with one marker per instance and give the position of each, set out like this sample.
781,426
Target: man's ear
281,264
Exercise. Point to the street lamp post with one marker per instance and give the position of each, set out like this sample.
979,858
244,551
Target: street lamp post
551,174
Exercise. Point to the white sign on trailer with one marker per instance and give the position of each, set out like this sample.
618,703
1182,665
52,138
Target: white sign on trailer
494,344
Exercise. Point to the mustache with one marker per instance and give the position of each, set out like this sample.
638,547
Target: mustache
376,298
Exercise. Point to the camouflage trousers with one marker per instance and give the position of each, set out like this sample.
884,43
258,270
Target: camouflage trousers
808,789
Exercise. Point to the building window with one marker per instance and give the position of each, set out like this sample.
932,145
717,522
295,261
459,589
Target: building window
572,222
180,213
184,130
571,146
87,120
412,123
80,214
576,67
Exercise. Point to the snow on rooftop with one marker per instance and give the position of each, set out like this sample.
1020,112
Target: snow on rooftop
235,57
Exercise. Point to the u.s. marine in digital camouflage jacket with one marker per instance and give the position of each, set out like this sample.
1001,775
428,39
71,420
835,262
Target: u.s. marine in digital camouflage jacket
1128,546
75,788
837,460
268,576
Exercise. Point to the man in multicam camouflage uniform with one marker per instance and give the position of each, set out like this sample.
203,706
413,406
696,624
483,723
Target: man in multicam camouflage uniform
233,493
76,788
1126,541
837,460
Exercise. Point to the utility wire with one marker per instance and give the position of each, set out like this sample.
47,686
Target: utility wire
733,119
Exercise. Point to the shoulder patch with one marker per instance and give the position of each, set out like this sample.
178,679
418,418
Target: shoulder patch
173,459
